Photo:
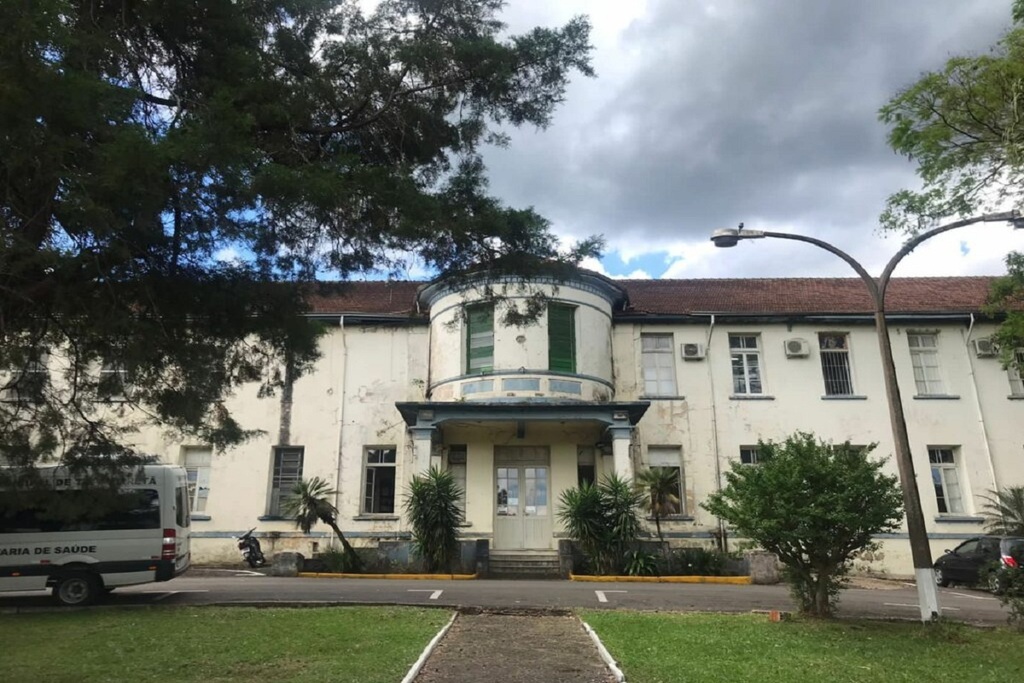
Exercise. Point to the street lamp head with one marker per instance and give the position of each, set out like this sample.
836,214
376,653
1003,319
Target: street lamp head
725,237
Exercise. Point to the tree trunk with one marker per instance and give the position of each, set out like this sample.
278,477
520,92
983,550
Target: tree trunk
356,563
822,608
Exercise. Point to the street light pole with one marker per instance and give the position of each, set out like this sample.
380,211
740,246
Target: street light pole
924,573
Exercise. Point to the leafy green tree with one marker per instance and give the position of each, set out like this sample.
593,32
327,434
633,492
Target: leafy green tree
1004,511
815,505
962,126
174,176
660,489
308,503
603,520
432,504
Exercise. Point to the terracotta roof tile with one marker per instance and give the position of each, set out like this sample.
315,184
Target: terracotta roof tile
394,297
679,297
804,295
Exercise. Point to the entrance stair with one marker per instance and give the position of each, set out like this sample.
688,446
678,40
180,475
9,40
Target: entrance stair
523,564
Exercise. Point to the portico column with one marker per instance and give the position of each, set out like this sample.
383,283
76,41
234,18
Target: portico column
422,444
621,462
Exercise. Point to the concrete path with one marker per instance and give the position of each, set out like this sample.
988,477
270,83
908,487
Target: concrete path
515,648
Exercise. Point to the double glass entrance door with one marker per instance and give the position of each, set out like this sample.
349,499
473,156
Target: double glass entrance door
522,506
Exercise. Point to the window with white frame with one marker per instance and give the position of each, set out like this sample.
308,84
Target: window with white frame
924,356
112,381
379,482
946,479
27,384
457,468
669,458
197,462
746,364
659,368
287,472
1014,373
749,455
834,348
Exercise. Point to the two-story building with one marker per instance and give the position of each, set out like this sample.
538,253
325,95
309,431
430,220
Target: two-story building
614,376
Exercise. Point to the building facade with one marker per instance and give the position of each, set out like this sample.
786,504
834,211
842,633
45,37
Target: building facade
615,376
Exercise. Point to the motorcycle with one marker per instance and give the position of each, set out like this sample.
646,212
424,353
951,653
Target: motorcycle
251,551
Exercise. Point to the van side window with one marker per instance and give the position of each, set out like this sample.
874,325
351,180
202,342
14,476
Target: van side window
181,513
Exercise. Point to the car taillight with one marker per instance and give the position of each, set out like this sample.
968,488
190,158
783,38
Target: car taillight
167,551
1009,561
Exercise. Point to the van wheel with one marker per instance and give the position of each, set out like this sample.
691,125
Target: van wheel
77,588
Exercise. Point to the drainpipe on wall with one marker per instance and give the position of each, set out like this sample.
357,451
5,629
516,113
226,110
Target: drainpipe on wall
341,417
723,537
977,405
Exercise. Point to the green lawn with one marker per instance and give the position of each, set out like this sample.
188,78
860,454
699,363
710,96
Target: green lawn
677,648
359,644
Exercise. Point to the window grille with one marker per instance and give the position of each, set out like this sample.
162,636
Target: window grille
835,364
287,473
749,455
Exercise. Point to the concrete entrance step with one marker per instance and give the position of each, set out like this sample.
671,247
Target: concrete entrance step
524,564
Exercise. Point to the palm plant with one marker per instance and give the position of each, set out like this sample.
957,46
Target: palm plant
432,504
1004,511
602,520
660,489
310,503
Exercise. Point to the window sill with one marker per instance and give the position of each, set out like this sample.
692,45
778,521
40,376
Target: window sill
844,397
936,397
201,518
275,518
376,518
673,518
1016,397
959,519
751,397
662,398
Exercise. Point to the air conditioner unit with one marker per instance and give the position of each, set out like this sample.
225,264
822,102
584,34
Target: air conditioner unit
692,351
797,348
985,347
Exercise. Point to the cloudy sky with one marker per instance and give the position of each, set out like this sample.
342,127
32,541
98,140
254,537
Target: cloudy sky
705,113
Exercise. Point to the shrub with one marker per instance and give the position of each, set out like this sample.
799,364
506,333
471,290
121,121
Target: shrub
699,562
603,519
433,507
815,505
639,563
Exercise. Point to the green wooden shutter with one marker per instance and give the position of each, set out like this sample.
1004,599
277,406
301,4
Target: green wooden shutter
561,338
479,339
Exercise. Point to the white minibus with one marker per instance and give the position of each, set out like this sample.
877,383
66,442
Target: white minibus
142,538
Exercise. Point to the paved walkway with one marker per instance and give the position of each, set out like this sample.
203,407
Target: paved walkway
507,648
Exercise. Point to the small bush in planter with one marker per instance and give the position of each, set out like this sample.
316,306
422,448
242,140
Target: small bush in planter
699,562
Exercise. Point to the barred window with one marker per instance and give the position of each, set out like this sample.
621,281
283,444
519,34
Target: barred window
287,473
749,455
835,363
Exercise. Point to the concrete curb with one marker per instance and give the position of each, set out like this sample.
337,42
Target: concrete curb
605,655
418,664
728,580
411,577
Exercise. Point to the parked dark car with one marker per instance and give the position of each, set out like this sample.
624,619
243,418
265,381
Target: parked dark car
972,561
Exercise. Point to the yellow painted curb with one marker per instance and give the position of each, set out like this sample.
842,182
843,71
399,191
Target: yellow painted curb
731,580
327,575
